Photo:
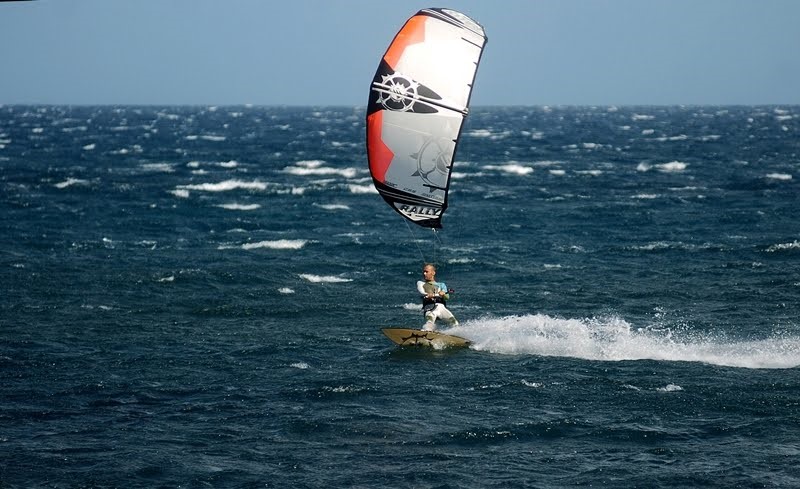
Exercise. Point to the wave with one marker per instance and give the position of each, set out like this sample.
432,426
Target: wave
70,182
320,279
205,137
794,245
362,189
305,171
281,244
671,167
613,339
676,245
681,137
225,186
240,207
512,168
779,176
158,167
333,207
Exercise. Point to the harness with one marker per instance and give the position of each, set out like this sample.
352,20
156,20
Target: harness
430,304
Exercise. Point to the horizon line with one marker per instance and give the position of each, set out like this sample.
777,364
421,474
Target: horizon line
360,106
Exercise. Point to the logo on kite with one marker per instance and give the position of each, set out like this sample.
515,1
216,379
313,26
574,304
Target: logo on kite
399,92
433,162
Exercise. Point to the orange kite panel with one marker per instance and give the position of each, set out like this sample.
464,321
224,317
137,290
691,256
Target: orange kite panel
411,33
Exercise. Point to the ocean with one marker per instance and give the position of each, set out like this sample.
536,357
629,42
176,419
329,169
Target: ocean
193,297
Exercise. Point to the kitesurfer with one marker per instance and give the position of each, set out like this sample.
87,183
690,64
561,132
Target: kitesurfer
434,299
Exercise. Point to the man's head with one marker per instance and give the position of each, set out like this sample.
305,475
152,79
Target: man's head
429,272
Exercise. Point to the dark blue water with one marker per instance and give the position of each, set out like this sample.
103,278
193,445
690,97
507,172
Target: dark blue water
193,297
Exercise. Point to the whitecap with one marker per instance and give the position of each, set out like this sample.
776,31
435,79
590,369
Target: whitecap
460,260
658,245
71,181
225,186
240,207
285,290
343,389
513,168
681,137
324,279
211,137
794,245
779,176
333,207
281,244
479,133
362,189
158,167
672,167
305,171
310,163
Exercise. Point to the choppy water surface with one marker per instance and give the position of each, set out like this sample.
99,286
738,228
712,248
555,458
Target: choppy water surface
193,296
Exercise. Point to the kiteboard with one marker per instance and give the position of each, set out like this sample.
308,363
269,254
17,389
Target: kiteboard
418,337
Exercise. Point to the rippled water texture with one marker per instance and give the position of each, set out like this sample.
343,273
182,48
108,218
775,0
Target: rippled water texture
193,297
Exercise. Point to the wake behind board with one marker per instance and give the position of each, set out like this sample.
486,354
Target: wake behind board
418,337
